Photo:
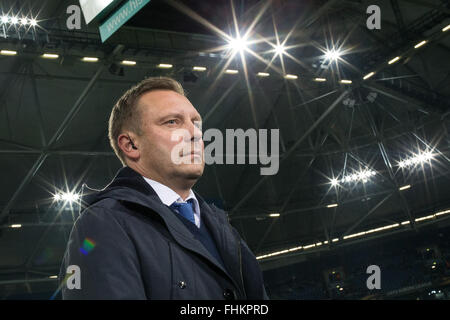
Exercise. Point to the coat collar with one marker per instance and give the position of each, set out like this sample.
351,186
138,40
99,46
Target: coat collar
130,186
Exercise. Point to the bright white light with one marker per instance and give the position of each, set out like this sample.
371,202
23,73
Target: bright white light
320,79
332,55
367,76
279,50
332,205
165,65
129,62
346,81
8,52
53,277
274,215
197,68
16,226
33,22
394,60
263,74
90,59
24,21
420,44
446,28
238,44
231,71
5,19
404,187
334,182
417,159
14,20
50,56
66,196
362,176
291,76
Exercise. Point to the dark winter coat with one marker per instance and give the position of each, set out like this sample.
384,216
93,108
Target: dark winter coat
129,245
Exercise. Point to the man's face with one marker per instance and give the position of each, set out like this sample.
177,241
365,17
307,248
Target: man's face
171,145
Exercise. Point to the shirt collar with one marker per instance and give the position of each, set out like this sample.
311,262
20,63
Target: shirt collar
168,196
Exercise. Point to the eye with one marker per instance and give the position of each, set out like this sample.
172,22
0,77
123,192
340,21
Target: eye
171,121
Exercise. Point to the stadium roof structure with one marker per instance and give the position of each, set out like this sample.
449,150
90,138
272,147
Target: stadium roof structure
363,119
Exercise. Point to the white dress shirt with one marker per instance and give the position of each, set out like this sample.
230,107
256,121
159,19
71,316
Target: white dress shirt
168,197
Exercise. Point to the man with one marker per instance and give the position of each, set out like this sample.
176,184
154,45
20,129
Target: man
147,235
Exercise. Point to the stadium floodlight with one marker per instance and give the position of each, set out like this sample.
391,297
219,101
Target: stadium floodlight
16,226
165,65
263,74
90,59
4,19
417,159
238,44
344,81
279,49
14,20
320,79
8,52
231,71
332,55
334,182
23,21
404,187
33,22
359,176
334,205
66,196
446,28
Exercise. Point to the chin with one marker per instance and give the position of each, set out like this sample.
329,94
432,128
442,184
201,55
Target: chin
193,171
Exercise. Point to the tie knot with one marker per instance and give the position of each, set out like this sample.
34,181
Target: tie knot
186,209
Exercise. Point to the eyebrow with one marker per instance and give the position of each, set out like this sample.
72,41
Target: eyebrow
180,115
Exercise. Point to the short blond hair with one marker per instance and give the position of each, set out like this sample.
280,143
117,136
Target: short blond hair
125,114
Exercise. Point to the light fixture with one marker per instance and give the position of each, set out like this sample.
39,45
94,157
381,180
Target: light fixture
367,76
263,74
33,22
334,182
231,71
417,159
404,187
14,20
320,79
332,55
359,176
334,205
50,56
4,19
23,21
129,62
53,277
16,226
394,60
279,49
165,65
446,28
291,76
346,81
197,68
66,196
8,52
238,44
420,44
90,59
274,215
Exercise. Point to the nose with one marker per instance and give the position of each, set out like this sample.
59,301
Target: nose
195,130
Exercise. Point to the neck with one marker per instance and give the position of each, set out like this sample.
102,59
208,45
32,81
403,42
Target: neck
179,185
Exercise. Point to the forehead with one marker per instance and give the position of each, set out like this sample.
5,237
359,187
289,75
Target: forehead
159,103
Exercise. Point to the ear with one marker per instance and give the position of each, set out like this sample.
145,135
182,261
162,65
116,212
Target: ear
126,145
